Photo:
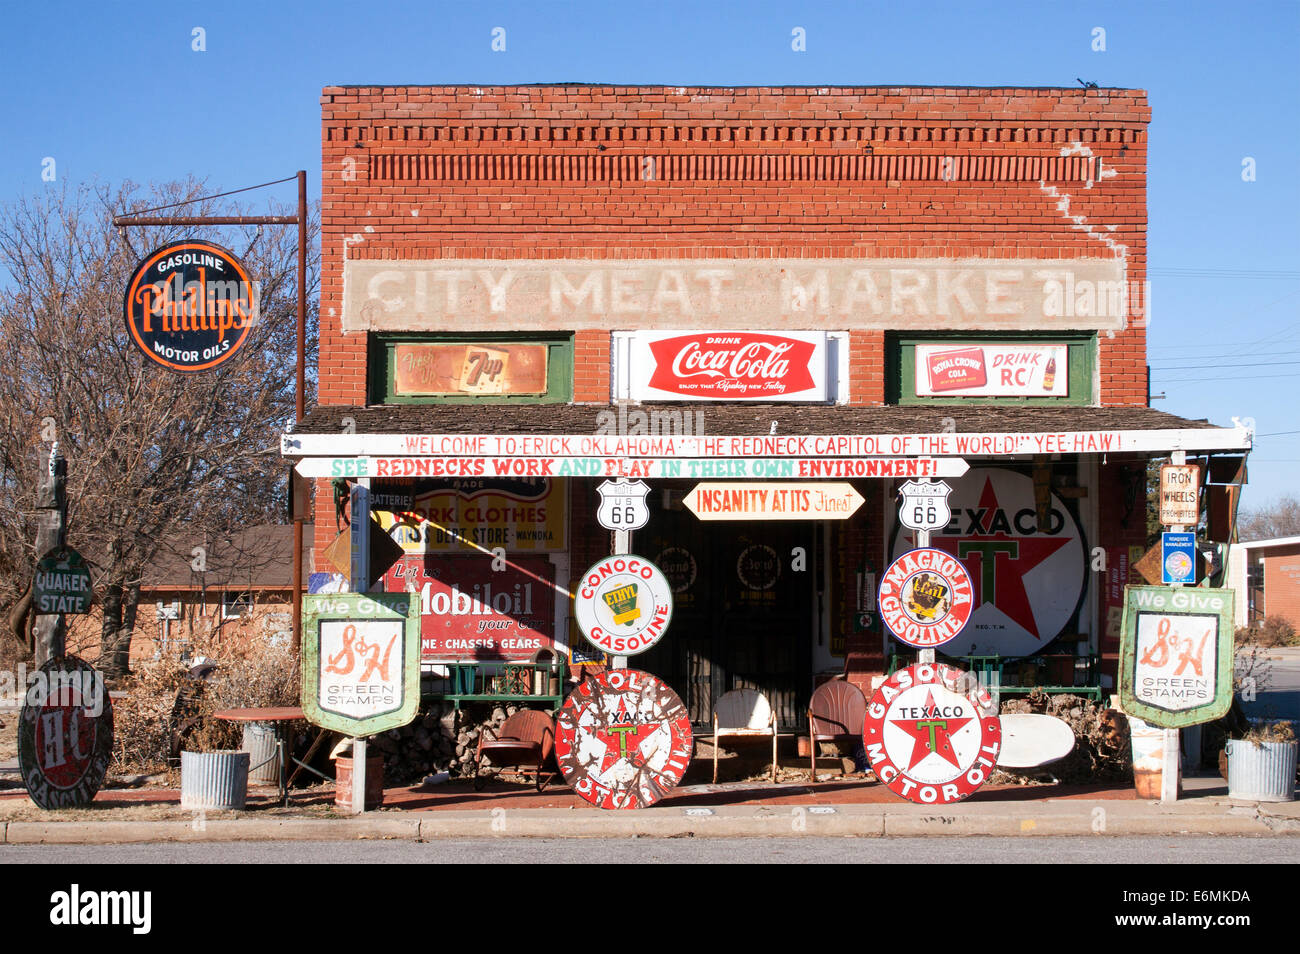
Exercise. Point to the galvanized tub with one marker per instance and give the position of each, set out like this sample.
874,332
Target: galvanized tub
263,753
1261,771
214,780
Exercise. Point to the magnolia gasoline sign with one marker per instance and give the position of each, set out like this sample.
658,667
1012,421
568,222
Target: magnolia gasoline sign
1176,666
190,306
361,661
61,583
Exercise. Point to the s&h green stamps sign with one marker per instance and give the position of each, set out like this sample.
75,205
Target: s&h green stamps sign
1176,654
361,661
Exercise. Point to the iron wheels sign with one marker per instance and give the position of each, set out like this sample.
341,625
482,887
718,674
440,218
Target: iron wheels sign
929,736
623,604
190,306
622,739
65,734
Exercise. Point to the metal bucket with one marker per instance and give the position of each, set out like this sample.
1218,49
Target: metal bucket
214,780
1261,772
263,753
1148,742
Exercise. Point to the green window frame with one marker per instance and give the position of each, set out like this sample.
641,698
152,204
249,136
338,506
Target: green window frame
900,367
382,360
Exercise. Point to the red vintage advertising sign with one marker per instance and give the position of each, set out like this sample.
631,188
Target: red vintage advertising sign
728,366
622,739
930,735
470,611
65,734
993,370
925,598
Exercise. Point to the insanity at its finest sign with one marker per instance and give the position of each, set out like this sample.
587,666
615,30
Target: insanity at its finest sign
464,515
623,604
622,739
190,306
930,735
1176,650
925,597
61,584
468,610
65,734
361,661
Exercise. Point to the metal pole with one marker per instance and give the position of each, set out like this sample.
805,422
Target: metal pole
300,405
121,220
50,631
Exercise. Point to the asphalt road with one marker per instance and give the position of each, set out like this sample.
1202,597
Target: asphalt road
1280,697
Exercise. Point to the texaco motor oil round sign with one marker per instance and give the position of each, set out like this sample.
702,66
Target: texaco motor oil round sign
622,739
65,734
925,597
623,604
929,734
190,306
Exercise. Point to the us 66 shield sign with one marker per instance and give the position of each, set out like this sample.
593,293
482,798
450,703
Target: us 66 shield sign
924,505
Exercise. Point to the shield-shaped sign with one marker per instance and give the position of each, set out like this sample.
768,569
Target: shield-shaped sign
924,505
622,504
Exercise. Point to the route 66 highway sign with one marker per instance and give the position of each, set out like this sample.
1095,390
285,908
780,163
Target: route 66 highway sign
925,505
622,504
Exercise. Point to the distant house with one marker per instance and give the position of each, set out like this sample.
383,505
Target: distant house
1266,577
241,584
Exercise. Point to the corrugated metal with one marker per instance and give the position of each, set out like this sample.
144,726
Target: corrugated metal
1263,772
264,762
214,780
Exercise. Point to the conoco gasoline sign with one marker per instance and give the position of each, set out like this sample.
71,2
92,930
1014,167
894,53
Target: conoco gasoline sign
929,734
925,597
65,734
622,739
190,306
623,604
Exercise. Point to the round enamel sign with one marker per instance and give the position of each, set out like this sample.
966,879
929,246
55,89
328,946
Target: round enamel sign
622,739
929,736
623,604
65,734
925,597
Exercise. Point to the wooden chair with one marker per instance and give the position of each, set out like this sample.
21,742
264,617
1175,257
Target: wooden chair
743,713
527,738
835,714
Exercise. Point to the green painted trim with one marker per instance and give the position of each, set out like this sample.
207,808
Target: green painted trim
900,367
1174,601
559,368
325,607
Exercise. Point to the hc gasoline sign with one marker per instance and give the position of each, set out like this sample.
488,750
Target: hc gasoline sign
65,734
929,734
190,306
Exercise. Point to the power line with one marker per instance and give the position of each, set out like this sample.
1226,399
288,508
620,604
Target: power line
204,198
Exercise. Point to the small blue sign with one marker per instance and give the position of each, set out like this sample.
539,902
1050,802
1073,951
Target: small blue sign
1178,557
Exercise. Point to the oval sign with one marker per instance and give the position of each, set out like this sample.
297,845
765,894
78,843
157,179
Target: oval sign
65,734
190,306
925,597
929,736
623,604
622,739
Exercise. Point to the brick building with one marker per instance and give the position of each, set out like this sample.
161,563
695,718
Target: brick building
535,288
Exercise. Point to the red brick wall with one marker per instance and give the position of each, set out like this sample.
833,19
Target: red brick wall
1282,583
746,173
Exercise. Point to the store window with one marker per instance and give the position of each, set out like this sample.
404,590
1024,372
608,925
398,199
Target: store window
236,604
471,369
992,369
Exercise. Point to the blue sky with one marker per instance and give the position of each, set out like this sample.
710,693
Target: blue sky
113,91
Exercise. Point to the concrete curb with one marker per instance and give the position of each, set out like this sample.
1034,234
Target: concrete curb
288,829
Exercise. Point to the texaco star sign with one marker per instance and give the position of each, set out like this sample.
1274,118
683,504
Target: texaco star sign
929,734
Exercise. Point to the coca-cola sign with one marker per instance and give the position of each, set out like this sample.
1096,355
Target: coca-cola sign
725,366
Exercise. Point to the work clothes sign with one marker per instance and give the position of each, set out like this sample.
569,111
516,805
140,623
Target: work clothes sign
470,515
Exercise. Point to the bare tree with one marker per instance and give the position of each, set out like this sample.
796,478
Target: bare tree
149,452
1278,519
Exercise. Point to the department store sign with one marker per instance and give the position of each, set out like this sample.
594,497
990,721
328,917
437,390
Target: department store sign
930,293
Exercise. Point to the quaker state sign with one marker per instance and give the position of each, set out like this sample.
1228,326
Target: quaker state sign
929,734
1176,654
622,739
190,306
62,583
65,734
361,661
623,604
925,597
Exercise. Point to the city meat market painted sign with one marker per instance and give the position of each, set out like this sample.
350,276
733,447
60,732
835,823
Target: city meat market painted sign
820,501
1176,654
361,661
495,369
778,293
722,366
61,584
65,734
462,515
1002,370
925,598
190,306
470,611
930,734
623,604
1028,581
622,739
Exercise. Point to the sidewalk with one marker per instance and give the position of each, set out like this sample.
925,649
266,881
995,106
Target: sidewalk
833,808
